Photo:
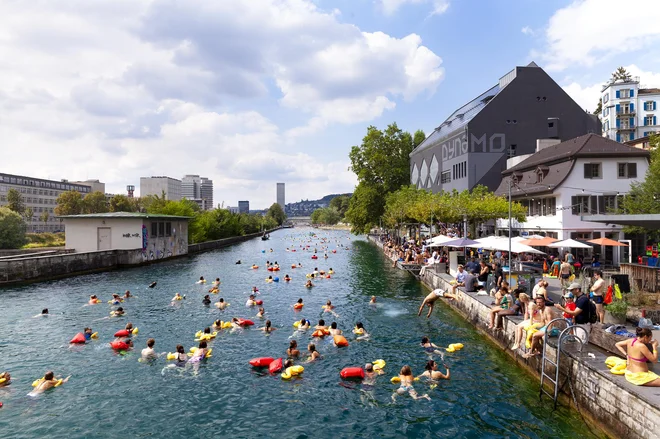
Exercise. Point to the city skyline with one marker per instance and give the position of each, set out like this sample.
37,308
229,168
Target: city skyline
107,91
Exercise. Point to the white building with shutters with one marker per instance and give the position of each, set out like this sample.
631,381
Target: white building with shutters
629,110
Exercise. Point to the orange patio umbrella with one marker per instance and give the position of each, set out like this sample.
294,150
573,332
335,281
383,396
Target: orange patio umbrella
607,242
539,242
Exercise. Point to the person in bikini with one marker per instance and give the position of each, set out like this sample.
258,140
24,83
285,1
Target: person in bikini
639,355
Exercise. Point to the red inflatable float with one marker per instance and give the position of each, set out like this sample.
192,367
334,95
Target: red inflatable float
261,361
275,366
334,251
298,306
122,333
270,268
315,257
259,302
293,265
79,338
119,346
340,341
245,322
352,372
320,333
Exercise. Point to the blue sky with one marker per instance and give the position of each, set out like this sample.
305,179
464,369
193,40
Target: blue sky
252,92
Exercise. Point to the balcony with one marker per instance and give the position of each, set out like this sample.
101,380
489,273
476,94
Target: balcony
625,128
625,112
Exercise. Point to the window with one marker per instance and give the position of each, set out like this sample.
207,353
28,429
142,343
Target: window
649,120
623,93
511,151
580,205
606,98
627,170
592,170
550,206
649,106
168,229
161,229
606,111
154,230
445,177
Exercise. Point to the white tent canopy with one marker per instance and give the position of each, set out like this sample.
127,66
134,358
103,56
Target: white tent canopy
569,243
501,243
438,241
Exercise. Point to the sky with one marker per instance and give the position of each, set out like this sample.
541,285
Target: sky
249,93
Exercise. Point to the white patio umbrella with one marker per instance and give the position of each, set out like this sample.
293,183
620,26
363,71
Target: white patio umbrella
438,241
569,243
501,243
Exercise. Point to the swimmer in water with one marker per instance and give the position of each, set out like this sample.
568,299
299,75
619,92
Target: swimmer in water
429,347
5,379
373,300
220,304
152,284
261,313
433,373
331,271
321,325
299,265
48,382
360,331
127,294
206,301
293,351
200,353
201,280
93,300
238,262
268,328
407,378
251,302
216,282
87,332
217,324
270,279
255,290
116,300
298,305
181,356
313,353
309,284
44,313
148,353
287,278
177,296
235,324
303,325
118,312
328,306
334,330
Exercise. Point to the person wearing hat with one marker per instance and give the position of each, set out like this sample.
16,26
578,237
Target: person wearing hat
580,313
569,305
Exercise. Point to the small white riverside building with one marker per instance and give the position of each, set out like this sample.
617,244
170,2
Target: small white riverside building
157,236
563,182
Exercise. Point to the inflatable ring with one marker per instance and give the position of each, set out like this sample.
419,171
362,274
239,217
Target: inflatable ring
378,364
296,324
95,335
292,371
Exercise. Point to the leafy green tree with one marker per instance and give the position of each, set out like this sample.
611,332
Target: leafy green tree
69,203
418,138
382,166
599,107
340,204
276,212
15,201
121,203
12,229
95,202
326,215
622,74
28,214
153,203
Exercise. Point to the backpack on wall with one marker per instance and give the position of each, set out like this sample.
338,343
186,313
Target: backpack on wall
593,315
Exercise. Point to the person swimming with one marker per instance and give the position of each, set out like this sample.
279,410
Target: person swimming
5,379
261,313
93,300
127,294
148,353
406,378
268,328
178,296
251,302
303,325
360,331
116,300
429,347
217,324
293,351
220,304
48,382
118,312
299,304
238,262
373,300
201,280
328,306
87,332
216,282
255,290
309,284
152,284
181,356
313,353
431,371
206,300
334,330
321,325
200,353
287,278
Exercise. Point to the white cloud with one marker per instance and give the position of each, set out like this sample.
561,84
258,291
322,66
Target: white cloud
118,89
391,6
587,96
527,30
587,32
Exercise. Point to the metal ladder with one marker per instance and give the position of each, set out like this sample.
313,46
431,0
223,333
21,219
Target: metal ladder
567,333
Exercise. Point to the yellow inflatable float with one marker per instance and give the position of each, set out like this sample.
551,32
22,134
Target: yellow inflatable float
397,380
200,336
194,349
40,380
454,347
292,372
616,365
531,329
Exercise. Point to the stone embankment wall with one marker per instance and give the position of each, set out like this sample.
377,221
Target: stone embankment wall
31,269
608,401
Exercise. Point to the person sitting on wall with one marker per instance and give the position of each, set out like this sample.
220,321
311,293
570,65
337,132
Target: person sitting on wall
461,274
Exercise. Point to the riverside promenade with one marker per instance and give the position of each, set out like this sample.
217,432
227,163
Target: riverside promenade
607,402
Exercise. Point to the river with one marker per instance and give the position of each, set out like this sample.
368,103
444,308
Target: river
112,395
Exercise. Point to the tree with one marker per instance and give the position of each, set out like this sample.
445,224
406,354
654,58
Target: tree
382,166
418,138
12,229
621,74
95,202
28,214
15,201
44,217
69,203
340,204
325,215
599,107
276,212
121,203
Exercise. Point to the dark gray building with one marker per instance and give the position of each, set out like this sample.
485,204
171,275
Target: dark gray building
243,207
472,145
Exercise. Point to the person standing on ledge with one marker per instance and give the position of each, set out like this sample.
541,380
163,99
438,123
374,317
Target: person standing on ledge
598,290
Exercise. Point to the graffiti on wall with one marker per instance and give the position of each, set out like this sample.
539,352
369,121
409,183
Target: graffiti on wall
458,145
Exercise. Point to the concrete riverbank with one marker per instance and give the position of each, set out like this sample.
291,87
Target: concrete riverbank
22,269
607,401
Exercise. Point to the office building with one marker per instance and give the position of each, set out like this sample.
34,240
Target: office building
472,145
40,196
233,209
561,184
629,112
243,207
280,195
157,185
96,185
198,189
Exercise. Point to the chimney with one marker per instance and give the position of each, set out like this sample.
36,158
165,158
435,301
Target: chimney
553,128
544,143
